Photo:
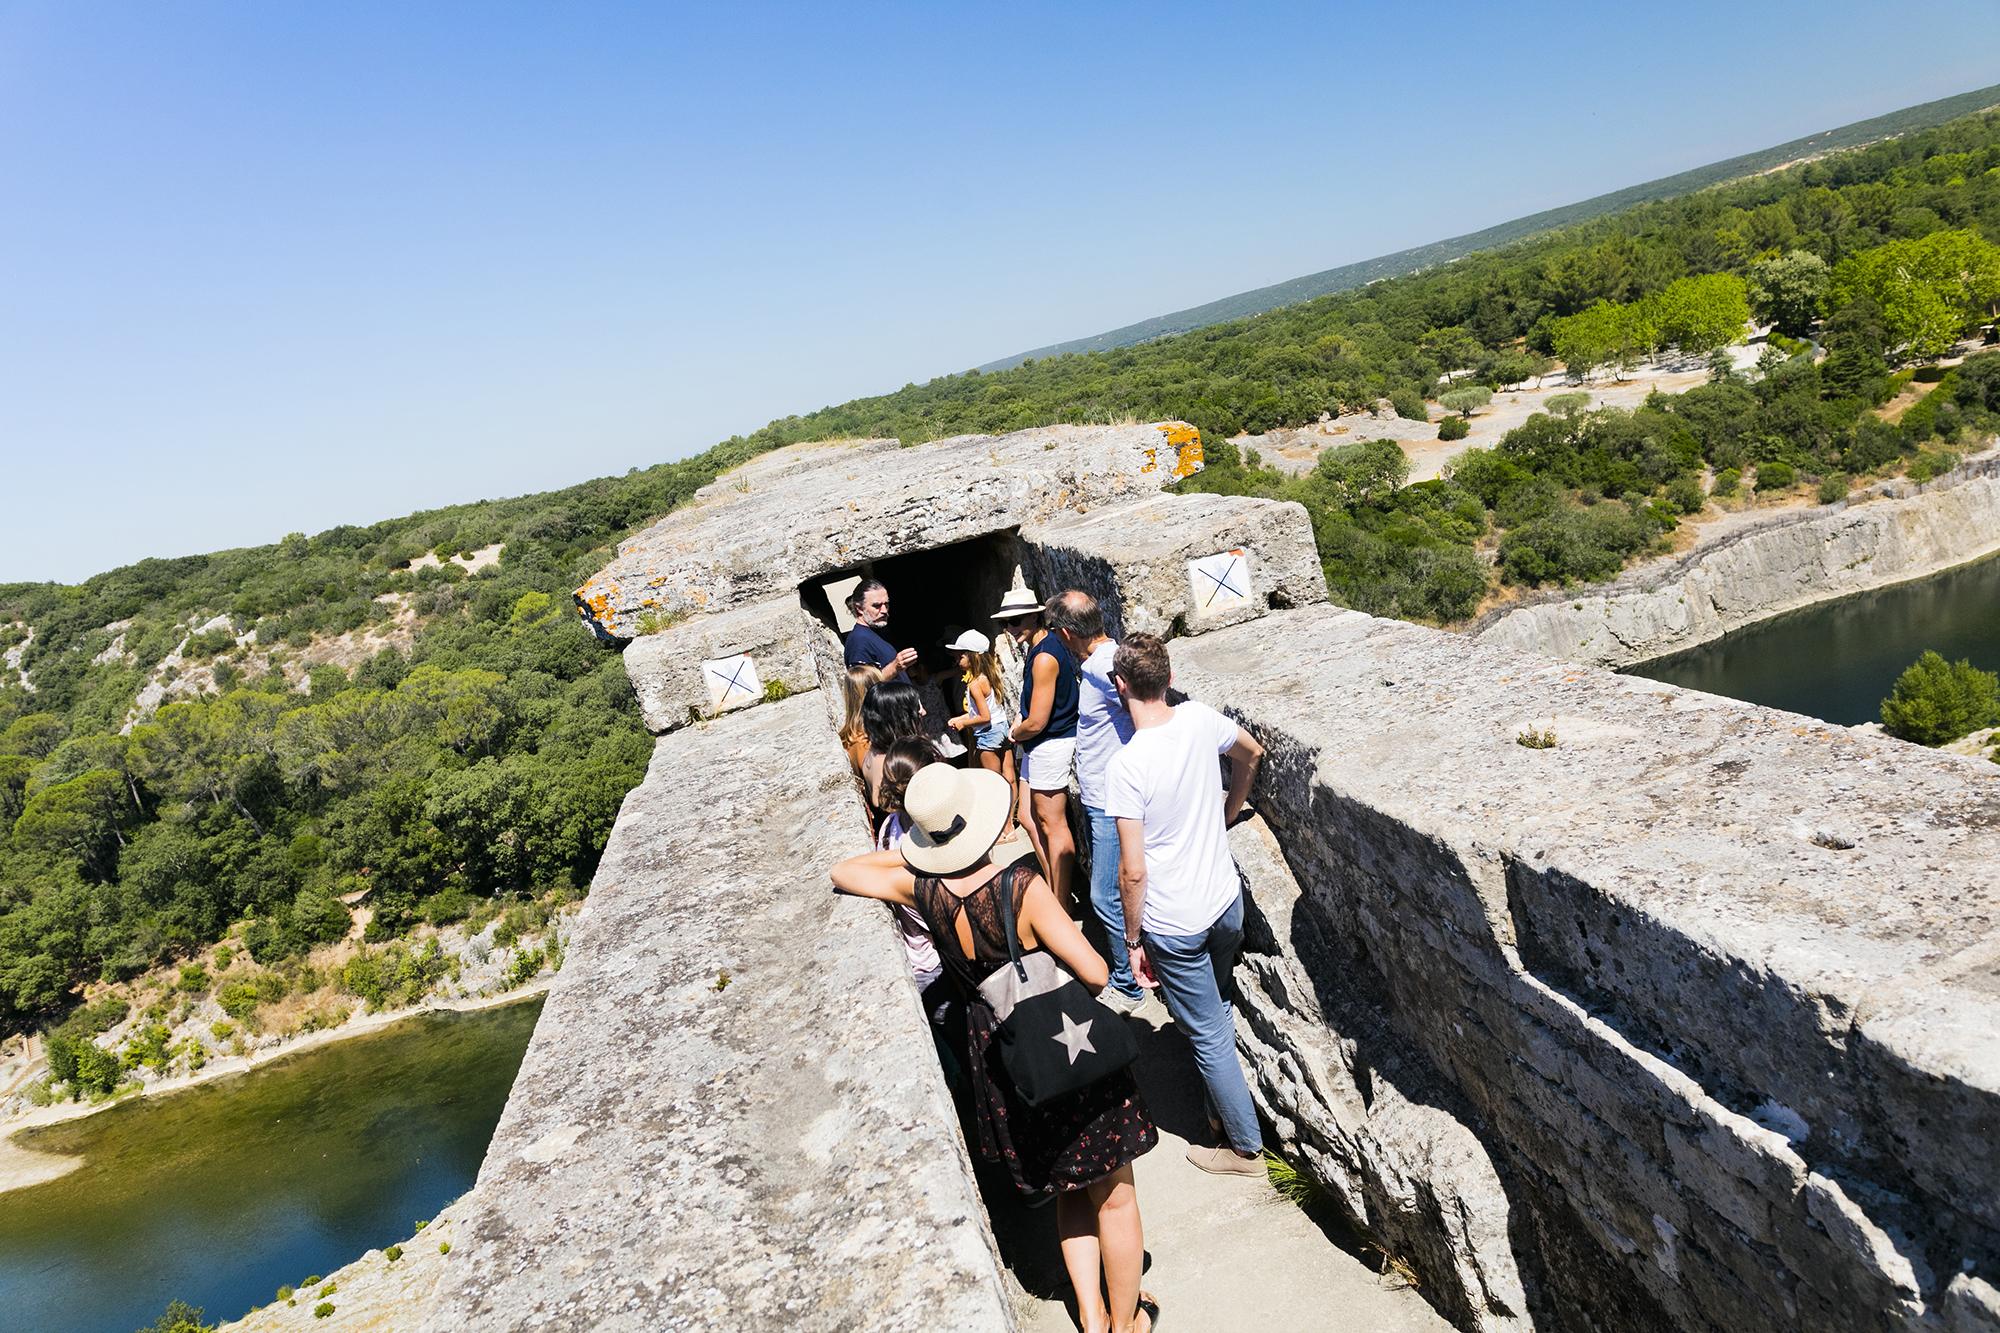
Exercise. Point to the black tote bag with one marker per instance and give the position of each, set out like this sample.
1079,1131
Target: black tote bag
1055,1038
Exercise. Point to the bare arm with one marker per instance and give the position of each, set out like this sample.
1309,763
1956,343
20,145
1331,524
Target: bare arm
1037,719
1132,873
1044,922
880,875
977,713
1244,756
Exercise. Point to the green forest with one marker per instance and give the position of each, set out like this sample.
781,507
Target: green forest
489,760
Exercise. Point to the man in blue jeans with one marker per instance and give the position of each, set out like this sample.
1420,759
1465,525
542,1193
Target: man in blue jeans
1102,728
1177,881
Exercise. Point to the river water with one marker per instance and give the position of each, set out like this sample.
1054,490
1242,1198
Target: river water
1838,660
220,1194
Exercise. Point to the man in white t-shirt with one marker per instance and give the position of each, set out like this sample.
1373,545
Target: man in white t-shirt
1183,900
1102,728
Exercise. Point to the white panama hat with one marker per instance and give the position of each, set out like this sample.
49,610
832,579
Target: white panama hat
955,815
1017,602
970,641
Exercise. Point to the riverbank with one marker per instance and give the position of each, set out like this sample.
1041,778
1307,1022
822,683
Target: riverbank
1892,533
21,1167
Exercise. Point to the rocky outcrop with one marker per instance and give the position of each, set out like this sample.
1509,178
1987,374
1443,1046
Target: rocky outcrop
1795,560
1682,1023
811,510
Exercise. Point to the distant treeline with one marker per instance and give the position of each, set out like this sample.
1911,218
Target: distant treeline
1348,276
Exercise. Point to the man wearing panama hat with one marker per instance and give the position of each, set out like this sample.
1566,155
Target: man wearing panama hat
1046,732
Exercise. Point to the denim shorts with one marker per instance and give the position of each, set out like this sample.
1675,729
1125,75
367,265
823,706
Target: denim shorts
992,736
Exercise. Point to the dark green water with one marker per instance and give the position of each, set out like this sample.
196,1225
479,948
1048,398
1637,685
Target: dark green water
220,1194
1838,660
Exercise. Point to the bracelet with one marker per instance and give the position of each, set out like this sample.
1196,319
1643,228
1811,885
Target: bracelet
1132,944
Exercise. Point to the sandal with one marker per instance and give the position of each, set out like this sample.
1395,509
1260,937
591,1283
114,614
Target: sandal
1151,1306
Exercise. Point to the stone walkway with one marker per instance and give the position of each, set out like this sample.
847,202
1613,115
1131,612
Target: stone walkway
1222,1253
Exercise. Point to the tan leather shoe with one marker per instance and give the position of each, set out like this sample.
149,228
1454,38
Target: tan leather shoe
1226,1161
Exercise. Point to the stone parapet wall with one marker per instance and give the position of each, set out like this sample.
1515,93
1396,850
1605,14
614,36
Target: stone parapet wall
1792,561
1684,1023
730,1114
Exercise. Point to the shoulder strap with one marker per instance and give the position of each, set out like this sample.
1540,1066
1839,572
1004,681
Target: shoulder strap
1009,910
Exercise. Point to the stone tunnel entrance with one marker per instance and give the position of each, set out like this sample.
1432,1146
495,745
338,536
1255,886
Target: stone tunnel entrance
945,588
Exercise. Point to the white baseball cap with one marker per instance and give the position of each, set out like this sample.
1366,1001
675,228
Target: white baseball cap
971,641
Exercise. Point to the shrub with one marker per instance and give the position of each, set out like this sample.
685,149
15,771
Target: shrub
1409,405
329,1289
1929,466
194,979
1727,480
393,1253
1685,495
444,1247
1775,476
1832,489
1566,404
285,1292
239,999
224,956
1454,428
323,1309
1467,400
1575,543
1935,701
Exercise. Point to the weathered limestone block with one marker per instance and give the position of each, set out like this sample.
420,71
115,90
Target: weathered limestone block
693,670
1791,561
1327,1070
1666,972
762,530
730,1115
1247,555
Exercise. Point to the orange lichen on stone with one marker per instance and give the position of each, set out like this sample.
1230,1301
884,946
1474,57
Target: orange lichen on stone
1186,441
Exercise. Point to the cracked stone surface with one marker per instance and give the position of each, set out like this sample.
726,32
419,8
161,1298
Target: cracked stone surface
1708,989
730,1114
1134,558
761,530
1793,561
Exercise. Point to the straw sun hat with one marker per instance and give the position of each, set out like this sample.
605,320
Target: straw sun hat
955,815
1017,602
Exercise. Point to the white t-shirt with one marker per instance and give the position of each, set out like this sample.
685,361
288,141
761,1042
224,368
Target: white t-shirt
1167,776
1102,724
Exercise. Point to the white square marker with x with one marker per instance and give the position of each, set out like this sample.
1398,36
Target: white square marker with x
732,682
1219,582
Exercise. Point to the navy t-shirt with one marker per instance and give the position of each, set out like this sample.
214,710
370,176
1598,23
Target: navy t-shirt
867,648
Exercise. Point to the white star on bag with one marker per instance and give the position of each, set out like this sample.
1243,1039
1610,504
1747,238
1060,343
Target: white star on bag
1075,1036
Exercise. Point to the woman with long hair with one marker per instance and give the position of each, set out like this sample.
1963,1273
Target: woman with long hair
891,710
855,688
1080,1146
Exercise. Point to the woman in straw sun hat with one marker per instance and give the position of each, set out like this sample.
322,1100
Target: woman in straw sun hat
1079,1147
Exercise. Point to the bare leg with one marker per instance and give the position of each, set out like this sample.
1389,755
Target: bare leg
1121,1238
1077,1214
1058,847
1024,815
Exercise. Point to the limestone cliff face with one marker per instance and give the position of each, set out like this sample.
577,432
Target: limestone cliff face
1790,562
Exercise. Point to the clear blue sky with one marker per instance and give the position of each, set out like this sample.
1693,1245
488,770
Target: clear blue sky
275,266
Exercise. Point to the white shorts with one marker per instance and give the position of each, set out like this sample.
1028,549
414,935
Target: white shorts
1047,767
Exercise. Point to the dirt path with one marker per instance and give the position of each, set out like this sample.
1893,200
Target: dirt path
1222,1252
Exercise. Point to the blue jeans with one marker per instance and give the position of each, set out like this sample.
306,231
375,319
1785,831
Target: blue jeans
1104,899
1194,980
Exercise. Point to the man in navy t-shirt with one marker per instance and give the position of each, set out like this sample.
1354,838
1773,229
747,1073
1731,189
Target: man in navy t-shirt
869,605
